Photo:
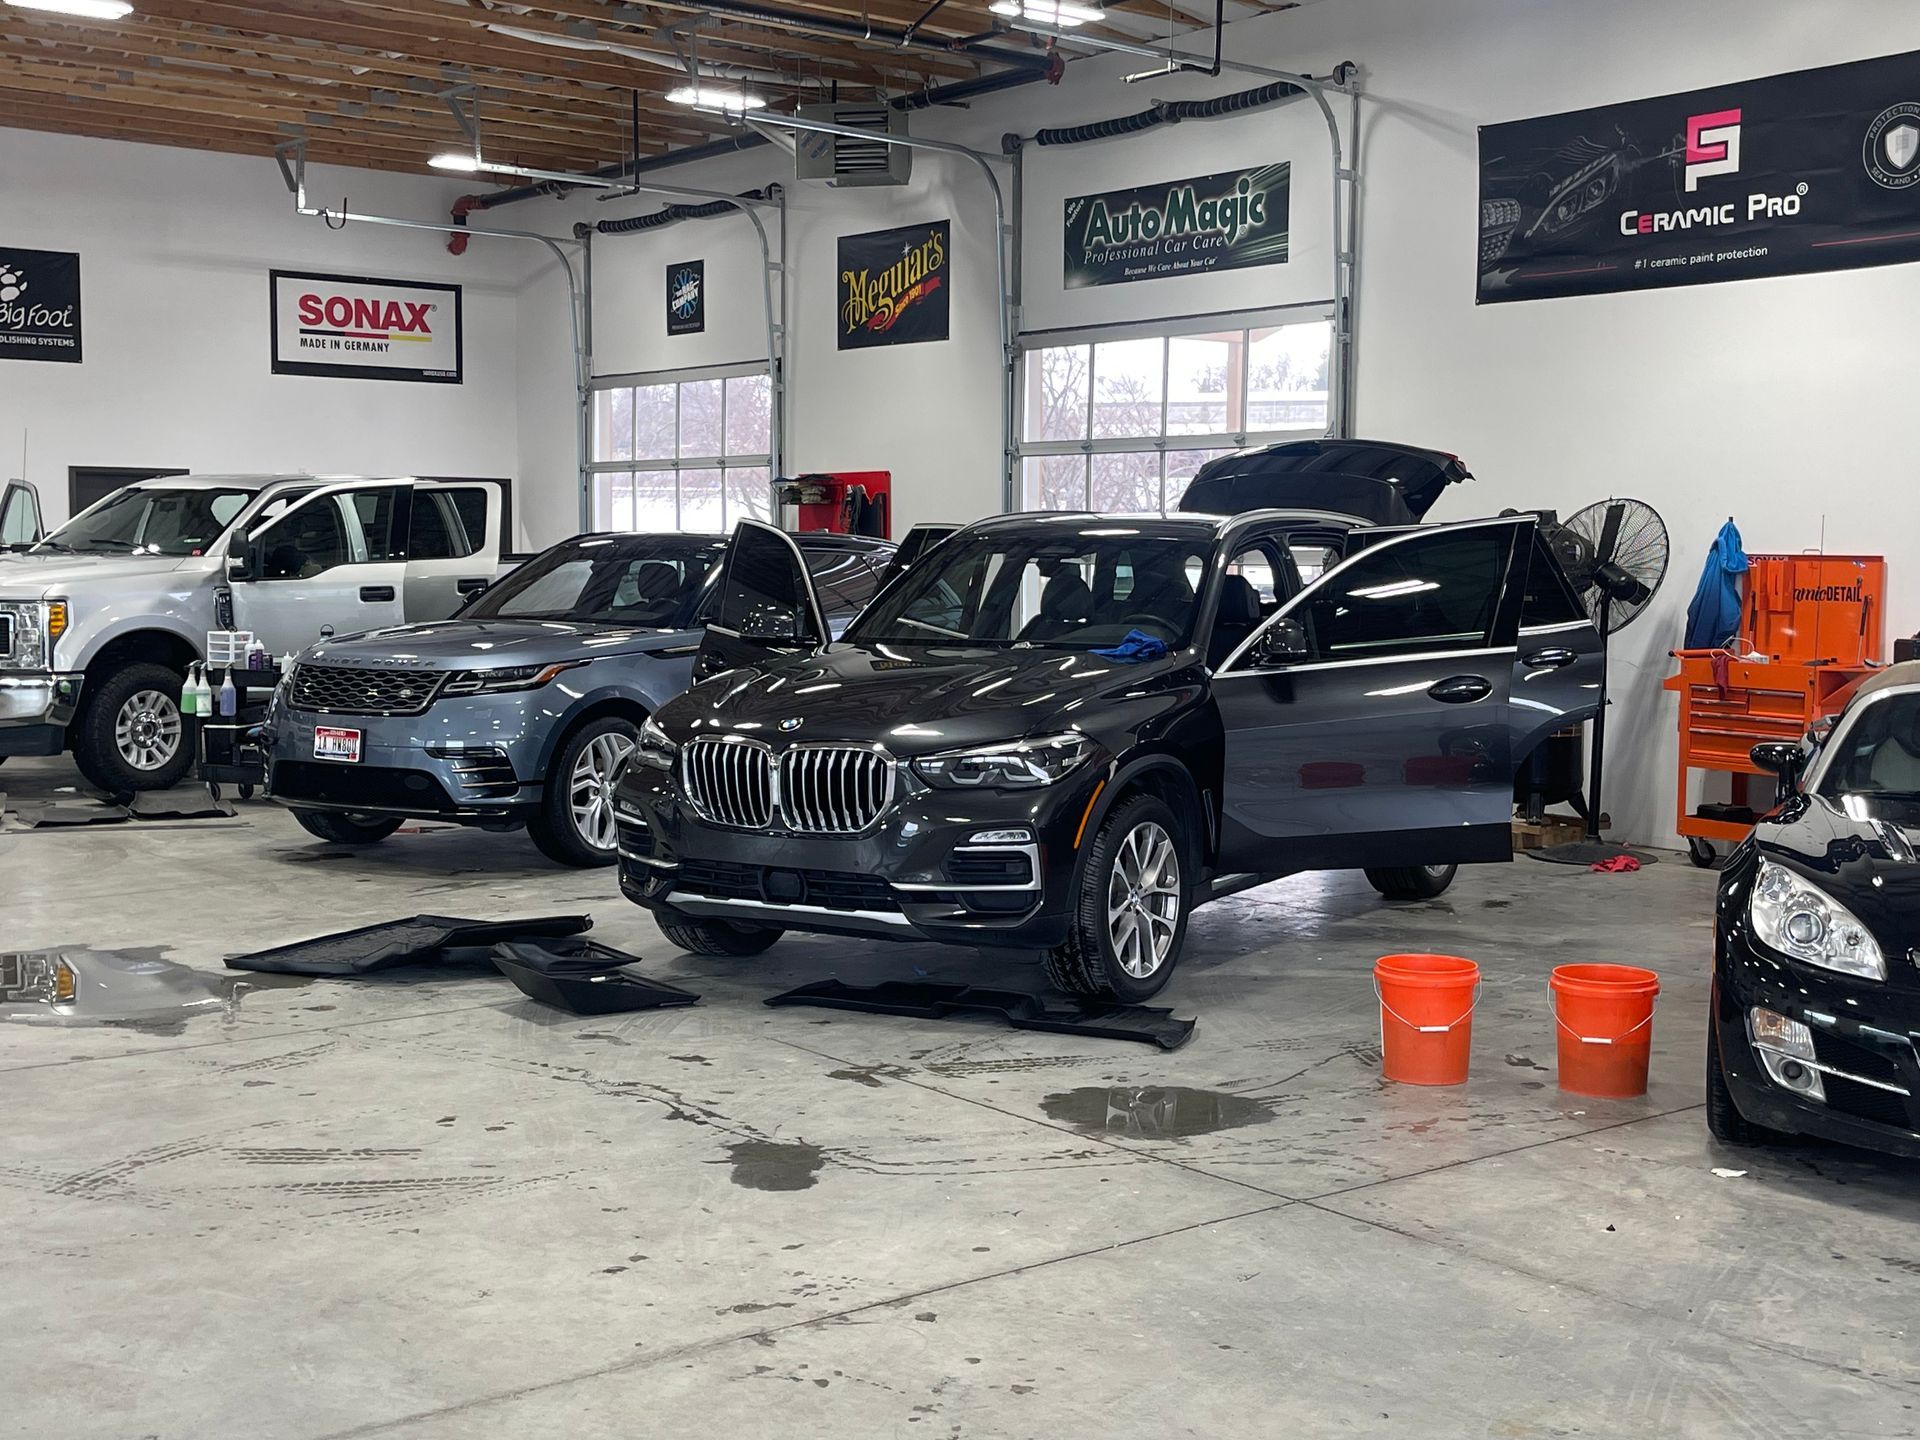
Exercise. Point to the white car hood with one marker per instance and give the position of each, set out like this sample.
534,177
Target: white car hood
34,574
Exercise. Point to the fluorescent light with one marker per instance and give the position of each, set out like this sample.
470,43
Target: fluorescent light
455,160
710,97
1050,12
86,9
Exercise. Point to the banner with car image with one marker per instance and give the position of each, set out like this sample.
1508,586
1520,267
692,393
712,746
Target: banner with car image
1179,227
1815,170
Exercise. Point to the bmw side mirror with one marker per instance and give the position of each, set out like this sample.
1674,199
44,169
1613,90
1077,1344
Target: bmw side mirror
1282,641
1780,757
771,627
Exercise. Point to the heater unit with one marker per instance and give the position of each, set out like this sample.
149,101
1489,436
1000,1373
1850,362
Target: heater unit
844,160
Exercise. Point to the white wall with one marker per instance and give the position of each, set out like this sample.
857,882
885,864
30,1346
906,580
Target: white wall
174,250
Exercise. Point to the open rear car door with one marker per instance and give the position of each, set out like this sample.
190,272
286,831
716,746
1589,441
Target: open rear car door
767,606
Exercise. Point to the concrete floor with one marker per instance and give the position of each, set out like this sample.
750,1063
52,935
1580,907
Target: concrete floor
425,1207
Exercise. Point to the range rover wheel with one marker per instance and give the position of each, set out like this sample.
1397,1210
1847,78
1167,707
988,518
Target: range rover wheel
346,829
1131,920
130,735
574,824
1724,1120
718,937
1413,882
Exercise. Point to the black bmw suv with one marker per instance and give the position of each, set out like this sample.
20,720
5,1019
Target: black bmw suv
1061,732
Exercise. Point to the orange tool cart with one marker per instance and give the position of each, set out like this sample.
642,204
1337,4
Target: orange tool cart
1812,627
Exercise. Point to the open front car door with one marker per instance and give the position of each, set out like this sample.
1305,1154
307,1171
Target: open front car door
1369,722
767,605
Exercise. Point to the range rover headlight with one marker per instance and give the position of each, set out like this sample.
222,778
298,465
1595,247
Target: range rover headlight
511,677
1013,764
1804,923
655,748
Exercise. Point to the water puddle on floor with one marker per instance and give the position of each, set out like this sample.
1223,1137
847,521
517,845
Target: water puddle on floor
770,1165
132,989
1154,1112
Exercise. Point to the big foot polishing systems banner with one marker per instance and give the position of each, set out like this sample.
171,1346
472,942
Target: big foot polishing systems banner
1817,170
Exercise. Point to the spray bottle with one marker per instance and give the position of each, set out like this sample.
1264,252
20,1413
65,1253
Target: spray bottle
202,695
229,696
189,692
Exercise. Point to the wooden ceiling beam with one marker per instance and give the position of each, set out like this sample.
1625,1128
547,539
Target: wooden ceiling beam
93,129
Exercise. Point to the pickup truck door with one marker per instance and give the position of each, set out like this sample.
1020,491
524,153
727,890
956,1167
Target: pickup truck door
453,546
332,561
19,514
766,607
1368,723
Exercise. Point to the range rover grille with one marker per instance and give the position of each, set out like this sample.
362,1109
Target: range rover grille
811,790
372,690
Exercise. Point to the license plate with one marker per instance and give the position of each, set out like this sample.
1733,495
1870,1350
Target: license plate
330,743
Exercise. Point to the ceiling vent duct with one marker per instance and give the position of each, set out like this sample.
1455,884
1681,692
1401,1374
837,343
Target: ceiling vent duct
844,160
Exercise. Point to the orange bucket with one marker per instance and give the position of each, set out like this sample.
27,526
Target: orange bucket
1604,1019
1426,1017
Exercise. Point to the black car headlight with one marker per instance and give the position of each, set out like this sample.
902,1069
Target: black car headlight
1804,923
1012,764
654,749
511,677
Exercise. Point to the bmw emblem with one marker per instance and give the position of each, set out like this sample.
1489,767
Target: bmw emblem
792,723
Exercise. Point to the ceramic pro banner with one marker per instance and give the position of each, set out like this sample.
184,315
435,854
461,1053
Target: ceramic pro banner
353,327
1178,227
40,305
893,286
1817,170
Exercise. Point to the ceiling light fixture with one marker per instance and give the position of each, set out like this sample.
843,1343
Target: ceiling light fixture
85,9
1048,12
456,160
713,97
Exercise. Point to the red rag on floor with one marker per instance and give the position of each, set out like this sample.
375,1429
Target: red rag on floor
1618,865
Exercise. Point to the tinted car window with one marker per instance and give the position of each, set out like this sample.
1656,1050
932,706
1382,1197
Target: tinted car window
442,528
646,581
763,594
1880,752
1549,599
373,512
157,521
844,578
1436,592
310,540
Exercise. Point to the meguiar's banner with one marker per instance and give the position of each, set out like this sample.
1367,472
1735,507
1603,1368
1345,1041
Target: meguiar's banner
1178,227
893,286
1817,170
40,305
362,329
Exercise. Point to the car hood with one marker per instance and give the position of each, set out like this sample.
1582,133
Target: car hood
485,644
1863,850
36,574
913,699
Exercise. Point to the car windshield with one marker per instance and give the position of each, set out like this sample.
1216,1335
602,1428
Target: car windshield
152,520
1060,591
1879,752
650,581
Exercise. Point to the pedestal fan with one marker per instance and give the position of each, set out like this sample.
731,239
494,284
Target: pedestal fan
1615,554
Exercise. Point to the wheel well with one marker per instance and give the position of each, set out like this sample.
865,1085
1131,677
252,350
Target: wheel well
626,709
143,647
1174,788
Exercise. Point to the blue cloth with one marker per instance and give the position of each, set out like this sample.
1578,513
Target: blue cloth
1136,647
1714,615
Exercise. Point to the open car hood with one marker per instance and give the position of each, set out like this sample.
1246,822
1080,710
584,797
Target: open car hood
1376,481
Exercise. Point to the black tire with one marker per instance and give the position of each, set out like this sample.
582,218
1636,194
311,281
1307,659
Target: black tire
719,937
1089,963
97,741
339,829
554,826
1413,882
1724,1120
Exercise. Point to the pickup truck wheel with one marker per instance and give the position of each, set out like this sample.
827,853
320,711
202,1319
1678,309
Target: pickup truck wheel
574,824
339,829
130,735
718,937
1131,921
1413,882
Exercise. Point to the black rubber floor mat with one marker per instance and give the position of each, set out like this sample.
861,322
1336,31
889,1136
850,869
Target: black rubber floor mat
935,1000
583,977
180,805
399,942
58,813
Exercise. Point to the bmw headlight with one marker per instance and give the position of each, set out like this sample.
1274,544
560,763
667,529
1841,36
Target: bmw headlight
655,748
1804,923
1013,764
510,677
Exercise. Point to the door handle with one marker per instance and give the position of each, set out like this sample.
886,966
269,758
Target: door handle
374,593
470,587
1461,689
1556,658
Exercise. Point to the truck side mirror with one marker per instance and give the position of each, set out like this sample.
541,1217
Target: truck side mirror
1283,641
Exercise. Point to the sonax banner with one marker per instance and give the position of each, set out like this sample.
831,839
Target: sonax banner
40,305
1816,170
362,329
1178,227
894,286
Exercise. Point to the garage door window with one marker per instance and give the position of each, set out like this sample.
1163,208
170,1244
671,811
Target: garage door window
1119,425
682,452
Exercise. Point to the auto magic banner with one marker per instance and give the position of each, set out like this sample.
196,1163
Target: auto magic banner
894,286
1817,170
1178,227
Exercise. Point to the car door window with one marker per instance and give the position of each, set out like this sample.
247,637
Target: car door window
1549,599
845,580
19,516
764,593
307,542
436,532
375,515
1424,593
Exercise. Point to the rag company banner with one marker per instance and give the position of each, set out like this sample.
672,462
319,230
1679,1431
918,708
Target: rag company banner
1179,227
360,329
687,297
40,305
1817,170
893,286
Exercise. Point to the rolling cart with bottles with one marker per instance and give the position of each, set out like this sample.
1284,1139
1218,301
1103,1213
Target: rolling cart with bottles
226,747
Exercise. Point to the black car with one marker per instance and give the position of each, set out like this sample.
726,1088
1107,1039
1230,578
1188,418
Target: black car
1061,732
1816,979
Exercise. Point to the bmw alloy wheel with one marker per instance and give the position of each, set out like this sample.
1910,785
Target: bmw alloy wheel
146,732
1143,900
590,788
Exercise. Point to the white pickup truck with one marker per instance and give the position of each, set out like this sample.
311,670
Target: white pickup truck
100,620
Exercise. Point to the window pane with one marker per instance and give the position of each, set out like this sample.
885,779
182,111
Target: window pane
1287,377
656,504
749,415
1430,593
700,419
1055,482
1548,601
1127,484
1182,465
612,502
653,422
747,495
613,425
1128,378
1057,393
702,507
1204,377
